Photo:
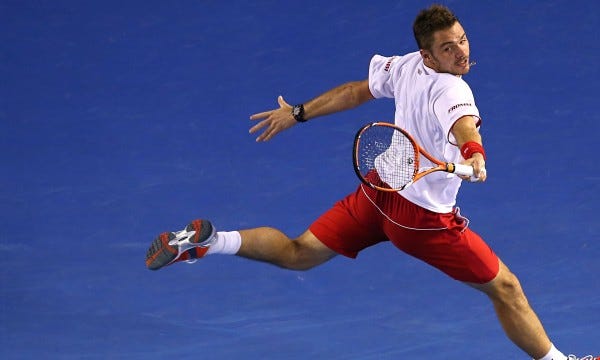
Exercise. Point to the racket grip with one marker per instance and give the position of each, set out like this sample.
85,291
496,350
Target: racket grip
466,170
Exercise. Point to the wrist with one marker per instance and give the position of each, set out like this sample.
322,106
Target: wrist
470,148
298,113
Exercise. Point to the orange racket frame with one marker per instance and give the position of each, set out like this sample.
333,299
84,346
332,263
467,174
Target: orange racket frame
449,167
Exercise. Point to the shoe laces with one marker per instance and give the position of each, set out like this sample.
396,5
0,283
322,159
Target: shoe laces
587,357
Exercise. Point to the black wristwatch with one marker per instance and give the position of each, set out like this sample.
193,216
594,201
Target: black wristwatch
298,113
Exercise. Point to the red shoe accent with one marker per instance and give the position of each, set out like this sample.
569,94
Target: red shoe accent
164,239
197,225
194,253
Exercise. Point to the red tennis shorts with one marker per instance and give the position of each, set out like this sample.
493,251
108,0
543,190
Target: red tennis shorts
444,241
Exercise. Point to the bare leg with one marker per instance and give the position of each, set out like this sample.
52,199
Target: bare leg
518,319
272,246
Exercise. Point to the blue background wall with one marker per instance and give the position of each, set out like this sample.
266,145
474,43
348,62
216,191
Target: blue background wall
123,119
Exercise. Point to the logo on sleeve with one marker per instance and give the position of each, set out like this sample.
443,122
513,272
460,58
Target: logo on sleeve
388,64
457,106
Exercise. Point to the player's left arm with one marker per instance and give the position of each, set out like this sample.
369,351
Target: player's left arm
469,141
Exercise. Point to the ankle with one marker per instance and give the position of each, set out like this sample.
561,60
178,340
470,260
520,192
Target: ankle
554,354
226,242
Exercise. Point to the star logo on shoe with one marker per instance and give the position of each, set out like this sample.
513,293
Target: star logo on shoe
182,236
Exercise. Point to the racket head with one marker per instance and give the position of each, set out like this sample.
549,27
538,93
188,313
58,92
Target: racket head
385,156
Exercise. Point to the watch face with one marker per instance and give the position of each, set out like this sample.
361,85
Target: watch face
298,113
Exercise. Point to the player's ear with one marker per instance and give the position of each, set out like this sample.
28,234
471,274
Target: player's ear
425,54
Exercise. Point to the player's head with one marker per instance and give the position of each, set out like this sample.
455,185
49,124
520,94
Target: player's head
442,40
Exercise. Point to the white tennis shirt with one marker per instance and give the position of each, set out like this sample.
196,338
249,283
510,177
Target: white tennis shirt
427,106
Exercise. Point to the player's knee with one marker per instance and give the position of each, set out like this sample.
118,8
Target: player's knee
302,257
508,290
298,265
300,260
306,252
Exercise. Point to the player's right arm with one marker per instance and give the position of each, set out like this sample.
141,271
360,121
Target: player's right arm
465,131
343,97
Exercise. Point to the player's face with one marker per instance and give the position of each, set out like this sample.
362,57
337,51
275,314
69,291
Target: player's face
449,52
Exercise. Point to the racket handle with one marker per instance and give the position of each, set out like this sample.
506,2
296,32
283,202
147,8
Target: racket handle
466,170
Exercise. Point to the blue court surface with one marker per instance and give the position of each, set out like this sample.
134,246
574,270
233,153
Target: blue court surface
123,119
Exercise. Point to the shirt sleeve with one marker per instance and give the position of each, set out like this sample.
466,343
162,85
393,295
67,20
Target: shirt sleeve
381,81
454,102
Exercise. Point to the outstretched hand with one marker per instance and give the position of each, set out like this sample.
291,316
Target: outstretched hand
274,121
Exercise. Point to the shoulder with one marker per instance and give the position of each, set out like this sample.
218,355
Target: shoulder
394,63
448,83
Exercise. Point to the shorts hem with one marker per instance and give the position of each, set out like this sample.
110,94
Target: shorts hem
315,230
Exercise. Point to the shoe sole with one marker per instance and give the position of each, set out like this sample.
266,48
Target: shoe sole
168,247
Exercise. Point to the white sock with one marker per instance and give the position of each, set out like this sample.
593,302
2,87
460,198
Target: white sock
554,354
227,242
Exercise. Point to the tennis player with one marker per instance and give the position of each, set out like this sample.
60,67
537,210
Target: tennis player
436,106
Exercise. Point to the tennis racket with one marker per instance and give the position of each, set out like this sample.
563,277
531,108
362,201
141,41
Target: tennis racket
392,153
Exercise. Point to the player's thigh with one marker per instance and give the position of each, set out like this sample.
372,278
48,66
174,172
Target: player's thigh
461,254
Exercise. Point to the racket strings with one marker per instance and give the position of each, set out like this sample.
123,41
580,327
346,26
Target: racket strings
389,152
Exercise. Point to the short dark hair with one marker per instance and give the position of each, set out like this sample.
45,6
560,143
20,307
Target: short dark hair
428,21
